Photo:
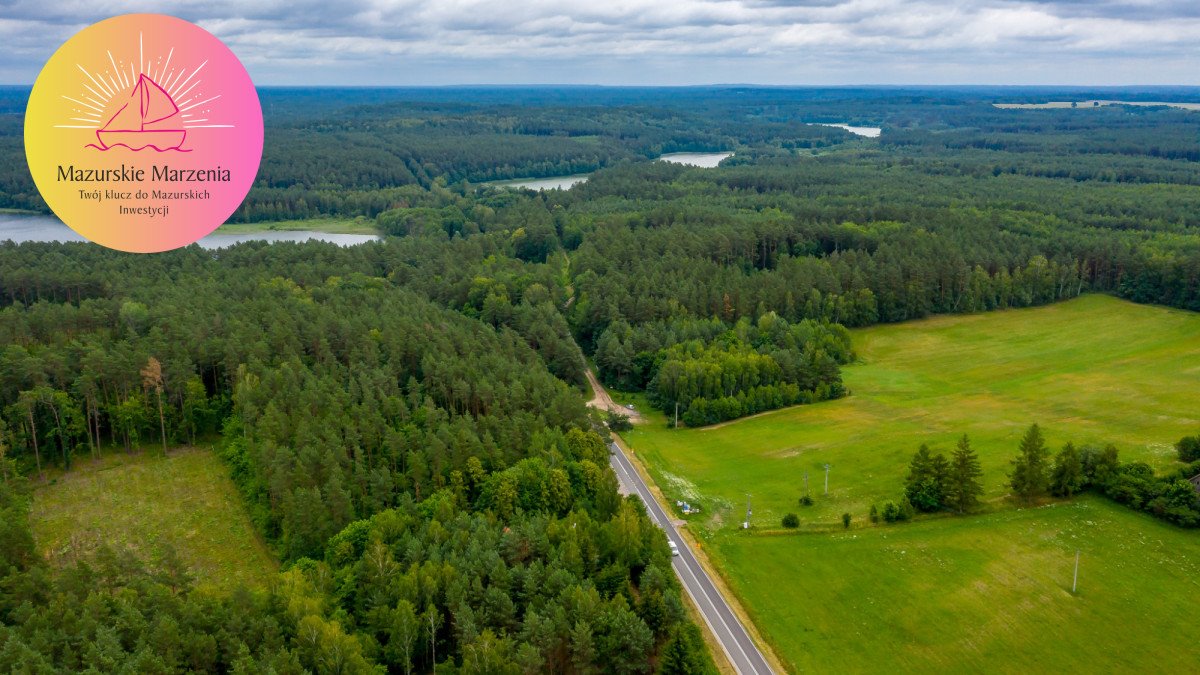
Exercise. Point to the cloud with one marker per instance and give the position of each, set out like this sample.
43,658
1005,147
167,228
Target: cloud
662,41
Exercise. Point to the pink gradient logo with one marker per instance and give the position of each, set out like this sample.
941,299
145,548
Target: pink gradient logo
143,132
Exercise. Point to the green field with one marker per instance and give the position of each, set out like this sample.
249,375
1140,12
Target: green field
143,501
332,225
987,593
1092,370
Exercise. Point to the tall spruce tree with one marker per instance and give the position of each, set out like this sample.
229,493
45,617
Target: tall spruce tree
1067,478
1030,477
963,486
925,486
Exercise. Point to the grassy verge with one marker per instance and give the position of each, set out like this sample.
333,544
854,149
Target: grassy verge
143,501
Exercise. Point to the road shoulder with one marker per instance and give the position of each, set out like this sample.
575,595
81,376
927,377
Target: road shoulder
718,579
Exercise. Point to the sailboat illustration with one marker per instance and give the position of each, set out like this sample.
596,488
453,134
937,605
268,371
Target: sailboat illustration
150,119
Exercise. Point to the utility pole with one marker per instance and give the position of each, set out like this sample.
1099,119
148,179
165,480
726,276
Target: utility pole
806,482
1075,582
676,414
747,524
826,479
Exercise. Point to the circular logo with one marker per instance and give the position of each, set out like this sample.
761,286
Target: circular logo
143,132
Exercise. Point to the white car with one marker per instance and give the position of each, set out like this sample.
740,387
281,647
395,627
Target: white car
674,548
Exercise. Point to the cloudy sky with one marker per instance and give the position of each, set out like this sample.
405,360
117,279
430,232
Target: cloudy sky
400,42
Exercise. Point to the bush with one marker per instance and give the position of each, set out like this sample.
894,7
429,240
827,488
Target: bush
619,422
874,514
846,520
791,521
806,501
1188,448
894,513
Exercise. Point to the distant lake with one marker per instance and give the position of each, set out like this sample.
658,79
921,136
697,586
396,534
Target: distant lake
551,183
1095,104
869,132
21,228
704,160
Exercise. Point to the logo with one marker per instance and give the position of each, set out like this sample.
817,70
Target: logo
143,133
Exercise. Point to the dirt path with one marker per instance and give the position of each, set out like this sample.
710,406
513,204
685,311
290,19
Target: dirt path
601,399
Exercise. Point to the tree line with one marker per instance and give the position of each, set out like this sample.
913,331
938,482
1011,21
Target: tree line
936,483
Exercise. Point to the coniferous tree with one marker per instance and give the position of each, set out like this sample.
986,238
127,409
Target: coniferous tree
925,485
1067,478
963,485
1030,477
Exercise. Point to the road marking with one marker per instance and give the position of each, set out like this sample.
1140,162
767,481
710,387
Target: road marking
652,507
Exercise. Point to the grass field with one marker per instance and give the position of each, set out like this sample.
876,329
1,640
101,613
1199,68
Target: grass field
331,225
1092,370
988,593
143,501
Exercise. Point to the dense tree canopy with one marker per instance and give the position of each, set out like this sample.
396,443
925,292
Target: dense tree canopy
404,418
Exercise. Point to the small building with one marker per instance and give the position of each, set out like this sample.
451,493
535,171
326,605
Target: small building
1195,481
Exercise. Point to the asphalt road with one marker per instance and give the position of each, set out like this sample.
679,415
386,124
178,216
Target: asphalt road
730,632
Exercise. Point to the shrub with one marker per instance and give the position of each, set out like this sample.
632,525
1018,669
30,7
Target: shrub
874,514
894,513
806,501
619,422
1188,448
791,521
890,513
846,520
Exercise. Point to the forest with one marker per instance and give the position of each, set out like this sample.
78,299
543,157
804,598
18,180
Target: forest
439,496
404,419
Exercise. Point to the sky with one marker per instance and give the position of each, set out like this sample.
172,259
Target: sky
660,42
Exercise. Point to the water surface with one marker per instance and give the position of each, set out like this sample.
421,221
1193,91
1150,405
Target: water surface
21,228
1095,104
704,160
550,183
869,132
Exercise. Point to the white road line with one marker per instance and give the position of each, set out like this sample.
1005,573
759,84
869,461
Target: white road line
639,486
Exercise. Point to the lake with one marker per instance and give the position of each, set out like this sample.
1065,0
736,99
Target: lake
706,160
551,183
1093,104
869,132
20,228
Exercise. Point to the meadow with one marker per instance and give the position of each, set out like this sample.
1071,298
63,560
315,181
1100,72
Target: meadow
954,592
144,501
1094,370
984,593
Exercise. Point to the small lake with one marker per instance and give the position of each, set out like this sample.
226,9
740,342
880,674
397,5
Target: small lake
21,228
551,183
1094,104
704,160
869,132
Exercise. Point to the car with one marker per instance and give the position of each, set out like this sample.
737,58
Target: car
674,548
